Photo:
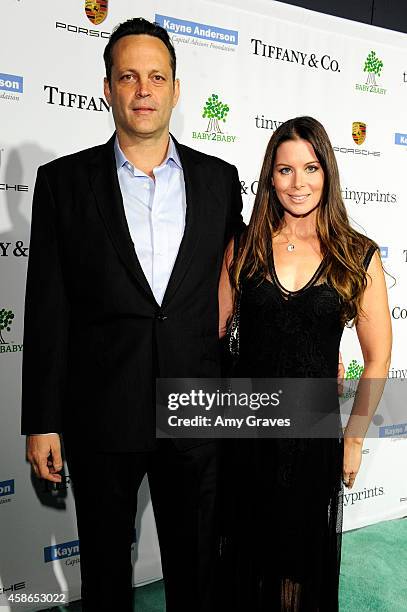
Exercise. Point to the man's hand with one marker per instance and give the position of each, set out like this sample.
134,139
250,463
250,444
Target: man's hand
44,454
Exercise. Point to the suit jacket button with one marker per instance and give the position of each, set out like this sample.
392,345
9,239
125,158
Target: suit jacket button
161,317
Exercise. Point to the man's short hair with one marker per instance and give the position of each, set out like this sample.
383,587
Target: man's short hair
137,26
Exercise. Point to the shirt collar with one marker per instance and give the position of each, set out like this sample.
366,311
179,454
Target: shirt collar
121,159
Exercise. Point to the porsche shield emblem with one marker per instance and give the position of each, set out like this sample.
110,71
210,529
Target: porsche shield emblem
358,132
96,11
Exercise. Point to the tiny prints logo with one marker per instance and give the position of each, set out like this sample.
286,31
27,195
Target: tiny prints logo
369,197
61,551
96,12
359,132
373,66
214,111
10,86
357,496
400,139
267,124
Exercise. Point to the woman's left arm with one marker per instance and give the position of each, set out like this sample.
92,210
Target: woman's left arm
375,337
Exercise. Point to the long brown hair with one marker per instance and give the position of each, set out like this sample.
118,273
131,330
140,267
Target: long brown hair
342,247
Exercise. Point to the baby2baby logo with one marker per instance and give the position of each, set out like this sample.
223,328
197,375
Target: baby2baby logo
216,112
373,67
6,321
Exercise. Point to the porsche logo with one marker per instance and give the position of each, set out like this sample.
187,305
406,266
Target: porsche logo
358,132
96,12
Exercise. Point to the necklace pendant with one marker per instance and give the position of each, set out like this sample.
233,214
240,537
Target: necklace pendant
290,247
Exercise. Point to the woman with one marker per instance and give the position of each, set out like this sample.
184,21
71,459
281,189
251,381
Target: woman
296,276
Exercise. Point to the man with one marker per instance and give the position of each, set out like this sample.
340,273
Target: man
126,249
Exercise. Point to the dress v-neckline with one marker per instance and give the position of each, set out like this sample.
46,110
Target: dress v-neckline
308,284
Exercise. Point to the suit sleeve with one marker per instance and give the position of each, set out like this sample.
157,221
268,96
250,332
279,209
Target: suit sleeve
46,319
235,224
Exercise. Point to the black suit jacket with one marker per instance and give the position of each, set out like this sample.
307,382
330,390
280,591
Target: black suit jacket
94,336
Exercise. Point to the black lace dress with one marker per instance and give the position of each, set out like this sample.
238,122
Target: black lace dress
282,498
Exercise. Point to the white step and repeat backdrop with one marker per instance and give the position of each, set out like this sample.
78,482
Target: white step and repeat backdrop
266,64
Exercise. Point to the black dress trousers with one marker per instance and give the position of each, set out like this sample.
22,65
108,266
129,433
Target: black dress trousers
183,492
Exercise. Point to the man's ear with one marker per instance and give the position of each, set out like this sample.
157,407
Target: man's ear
107,92
176,93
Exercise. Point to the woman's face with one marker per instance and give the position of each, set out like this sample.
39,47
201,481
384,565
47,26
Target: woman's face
298,177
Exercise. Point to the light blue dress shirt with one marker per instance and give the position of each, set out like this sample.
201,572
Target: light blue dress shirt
155,213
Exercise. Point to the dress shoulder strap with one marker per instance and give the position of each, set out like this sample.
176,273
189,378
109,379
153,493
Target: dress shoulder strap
369,254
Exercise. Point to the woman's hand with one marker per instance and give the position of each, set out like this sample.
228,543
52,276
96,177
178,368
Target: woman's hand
352,457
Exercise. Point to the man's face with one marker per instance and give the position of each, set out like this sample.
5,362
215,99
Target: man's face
142,92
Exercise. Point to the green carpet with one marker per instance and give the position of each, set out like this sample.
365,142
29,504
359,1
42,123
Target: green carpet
373,573
374,568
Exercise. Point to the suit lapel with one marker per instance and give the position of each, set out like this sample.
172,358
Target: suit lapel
106,188
194,188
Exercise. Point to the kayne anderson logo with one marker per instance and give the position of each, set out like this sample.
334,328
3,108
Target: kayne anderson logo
200,34
400,139
74,100
6,489
11,85
95,12
373,67
392,431
215,112
359,133
58,552
293,56
6,321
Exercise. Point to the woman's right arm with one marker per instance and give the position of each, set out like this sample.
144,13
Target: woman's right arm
225,293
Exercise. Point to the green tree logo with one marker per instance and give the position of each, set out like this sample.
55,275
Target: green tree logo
354,371
215,111
6,319
373,65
